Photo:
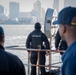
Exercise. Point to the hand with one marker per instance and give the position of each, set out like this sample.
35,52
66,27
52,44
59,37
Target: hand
28,52
56,48
47,53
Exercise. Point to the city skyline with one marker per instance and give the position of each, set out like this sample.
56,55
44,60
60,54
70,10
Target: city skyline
35,13
26,5
56,5
13,10
16,16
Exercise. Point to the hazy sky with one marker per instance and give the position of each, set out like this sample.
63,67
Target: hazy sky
27,5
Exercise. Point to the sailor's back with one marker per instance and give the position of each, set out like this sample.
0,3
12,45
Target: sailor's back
10,64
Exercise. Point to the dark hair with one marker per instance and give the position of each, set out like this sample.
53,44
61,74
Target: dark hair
1,33
1,37
37,26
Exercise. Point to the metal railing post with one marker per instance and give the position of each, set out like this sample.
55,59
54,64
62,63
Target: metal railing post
49,62
28,63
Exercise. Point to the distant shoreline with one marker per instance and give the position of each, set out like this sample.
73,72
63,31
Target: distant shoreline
16,24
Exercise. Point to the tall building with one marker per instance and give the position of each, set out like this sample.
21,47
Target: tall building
56,5
42,15
37,8
61,4
1,9
24,14
13,10
70,3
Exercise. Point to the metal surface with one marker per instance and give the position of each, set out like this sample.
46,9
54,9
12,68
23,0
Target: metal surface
47,23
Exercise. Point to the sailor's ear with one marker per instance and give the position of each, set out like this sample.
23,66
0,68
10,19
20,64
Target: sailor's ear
3,39
63,28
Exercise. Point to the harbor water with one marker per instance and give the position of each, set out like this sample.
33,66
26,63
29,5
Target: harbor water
15,35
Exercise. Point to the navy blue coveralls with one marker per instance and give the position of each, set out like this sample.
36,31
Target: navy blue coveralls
69,61
10,64
34,39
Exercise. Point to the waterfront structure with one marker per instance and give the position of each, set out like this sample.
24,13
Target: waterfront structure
1,9
13,10
56,5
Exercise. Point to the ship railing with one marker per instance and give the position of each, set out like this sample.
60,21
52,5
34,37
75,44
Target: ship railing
50,65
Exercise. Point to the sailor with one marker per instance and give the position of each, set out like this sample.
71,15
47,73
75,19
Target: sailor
9,64
67,31
35,39
60,44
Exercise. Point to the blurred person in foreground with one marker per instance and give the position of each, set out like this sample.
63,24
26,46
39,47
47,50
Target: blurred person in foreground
67,30
9,64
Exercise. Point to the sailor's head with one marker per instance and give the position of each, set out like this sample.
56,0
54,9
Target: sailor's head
66,21
37,26
1,36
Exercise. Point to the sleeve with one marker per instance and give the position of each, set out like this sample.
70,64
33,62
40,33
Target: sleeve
20,67
28,41
57,39
22,71
45,39
70,68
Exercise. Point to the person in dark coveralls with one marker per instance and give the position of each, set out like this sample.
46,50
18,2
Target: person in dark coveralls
59,43
9,64
36,38
67,31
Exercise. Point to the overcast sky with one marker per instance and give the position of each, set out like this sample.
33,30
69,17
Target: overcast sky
27,5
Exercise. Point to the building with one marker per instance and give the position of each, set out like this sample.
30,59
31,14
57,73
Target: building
56,5
1,9
42,15
24,14
24,17
3,18
70,3
37,9
13,10
37,6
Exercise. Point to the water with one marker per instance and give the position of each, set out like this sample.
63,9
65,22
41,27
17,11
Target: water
16,35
